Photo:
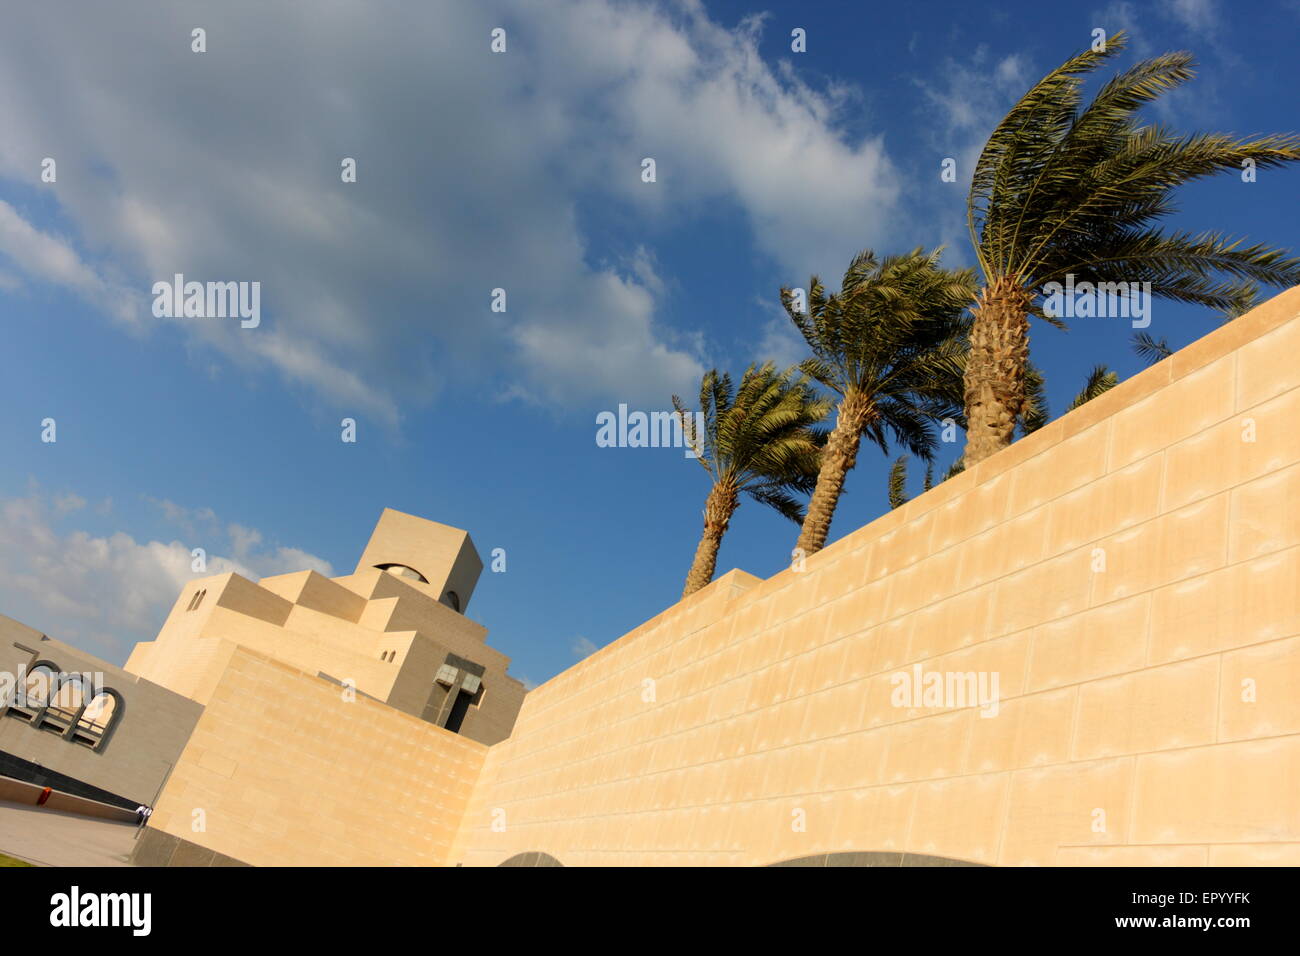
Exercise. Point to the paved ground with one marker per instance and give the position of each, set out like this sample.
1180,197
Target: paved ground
51,838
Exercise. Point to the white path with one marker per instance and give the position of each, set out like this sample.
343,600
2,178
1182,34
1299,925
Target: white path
52,838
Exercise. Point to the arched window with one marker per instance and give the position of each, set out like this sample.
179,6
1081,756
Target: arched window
28,700
197,599
64,705
41,681
97,718
452,600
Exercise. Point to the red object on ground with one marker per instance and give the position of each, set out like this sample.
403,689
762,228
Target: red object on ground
45,795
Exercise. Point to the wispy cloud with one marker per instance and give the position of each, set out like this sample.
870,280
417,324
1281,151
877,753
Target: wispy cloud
1197,15
467,180
778,340
966,99
105,592
48,258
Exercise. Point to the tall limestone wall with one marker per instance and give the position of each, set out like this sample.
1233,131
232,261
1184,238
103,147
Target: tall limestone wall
1129,575
286,769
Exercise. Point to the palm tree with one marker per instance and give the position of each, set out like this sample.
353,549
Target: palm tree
1064,189
1100,381
890,344
1150,348
898,481
1034,413
759,439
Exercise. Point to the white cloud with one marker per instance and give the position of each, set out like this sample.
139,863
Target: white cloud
1195,15
104,593
248,551
583,648
967,100
472,170
48,258
971,98
616,354
1122,15
64,504
721,123
1193,102
778,341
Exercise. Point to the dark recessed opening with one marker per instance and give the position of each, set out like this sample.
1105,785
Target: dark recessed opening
458,710
402,571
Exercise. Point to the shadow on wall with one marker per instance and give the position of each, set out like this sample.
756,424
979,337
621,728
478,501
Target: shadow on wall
821,859
874,858
531,859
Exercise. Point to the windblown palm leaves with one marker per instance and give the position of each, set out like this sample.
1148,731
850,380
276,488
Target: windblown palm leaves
1064,188
890,345
1034,414
758,439
1150,348
898,481
1100,381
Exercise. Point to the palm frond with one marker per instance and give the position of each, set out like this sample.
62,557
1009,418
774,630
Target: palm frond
1034,413
898,482
1067,188
1100,381
1150,348
760,435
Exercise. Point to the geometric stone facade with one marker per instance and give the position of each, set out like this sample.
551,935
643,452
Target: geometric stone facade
389,630
282,770
118,753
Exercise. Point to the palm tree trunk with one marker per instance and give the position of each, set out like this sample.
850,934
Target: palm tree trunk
838,458
995,369
718,508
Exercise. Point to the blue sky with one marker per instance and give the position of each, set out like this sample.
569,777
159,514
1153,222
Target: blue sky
476,170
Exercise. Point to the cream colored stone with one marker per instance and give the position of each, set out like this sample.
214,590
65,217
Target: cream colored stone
1255,854
1160,708
1265,515
1181,409
1068,804
1230,793
1257,694
1106,640
954,814
1133,856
